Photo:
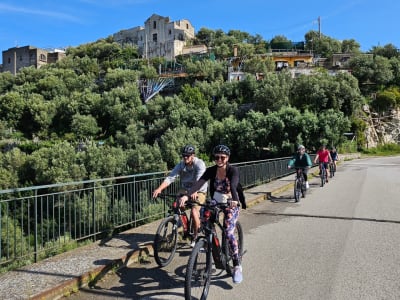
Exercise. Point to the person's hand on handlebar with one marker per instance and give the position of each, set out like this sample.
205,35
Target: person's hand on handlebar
156,193
183,199
232,203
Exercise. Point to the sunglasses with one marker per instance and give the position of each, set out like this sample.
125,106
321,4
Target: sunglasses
220,157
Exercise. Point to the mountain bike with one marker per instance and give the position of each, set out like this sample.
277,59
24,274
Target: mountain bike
332,168
178,223
299,185
213,246
323,174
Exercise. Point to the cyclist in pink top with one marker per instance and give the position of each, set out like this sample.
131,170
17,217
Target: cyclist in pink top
323,156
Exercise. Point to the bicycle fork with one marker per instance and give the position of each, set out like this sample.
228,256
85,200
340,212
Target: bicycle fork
217,253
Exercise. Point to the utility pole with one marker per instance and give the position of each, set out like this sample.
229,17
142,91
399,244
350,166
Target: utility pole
319,27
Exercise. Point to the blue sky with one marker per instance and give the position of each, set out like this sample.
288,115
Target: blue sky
59,24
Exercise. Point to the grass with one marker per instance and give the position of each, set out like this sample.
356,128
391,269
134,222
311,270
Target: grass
383,150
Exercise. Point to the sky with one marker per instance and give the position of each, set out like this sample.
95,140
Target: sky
60,24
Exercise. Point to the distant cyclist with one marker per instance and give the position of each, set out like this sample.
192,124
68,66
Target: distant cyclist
334,156
189,170
323,157
301,160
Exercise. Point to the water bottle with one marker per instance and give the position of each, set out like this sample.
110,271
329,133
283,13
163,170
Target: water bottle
184,222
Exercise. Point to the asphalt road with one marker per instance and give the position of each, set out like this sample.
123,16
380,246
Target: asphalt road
340,242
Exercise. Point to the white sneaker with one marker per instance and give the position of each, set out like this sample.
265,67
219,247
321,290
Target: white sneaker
192,244
307,185
237,275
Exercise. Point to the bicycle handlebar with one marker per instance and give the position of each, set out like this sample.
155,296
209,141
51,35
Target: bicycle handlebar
188,203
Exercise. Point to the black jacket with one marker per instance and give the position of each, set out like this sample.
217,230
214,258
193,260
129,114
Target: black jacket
232,173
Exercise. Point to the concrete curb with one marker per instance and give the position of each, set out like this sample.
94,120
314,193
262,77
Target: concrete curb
89,278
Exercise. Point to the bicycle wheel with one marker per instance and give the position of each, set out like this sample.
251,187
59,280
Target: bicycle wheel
198,271
165,241
303,188
227,249
297,190
331,170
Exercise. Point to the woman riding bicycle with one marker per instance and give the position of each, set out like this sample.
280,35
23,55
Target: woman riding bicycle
224,179
301,160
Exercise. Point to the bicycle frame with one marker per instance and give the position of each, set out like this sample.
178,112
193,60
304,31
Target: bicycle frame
324,173
208,248
299,189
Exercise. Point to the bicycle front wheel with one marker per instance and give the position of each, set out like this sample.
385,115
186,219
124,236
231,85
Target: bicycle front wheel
228,250
165,241
297,190
198,271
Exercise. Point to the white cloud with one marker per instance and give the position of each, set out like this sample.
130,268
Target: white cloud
37,12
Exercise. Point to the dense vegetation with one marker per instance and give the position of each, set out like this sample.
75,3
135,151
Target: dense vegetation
84,117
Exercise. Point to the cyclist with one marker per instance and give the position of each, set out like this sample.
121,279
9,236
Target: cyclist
301,160
323,156
224,179
189,170
334,156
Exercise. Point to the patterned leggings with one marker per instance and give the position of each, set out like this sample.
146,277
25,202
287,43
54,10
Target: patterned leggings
231,217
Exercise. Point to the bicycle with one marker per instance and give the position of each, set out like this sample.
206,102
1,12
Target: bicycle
299,185
177,223
332,168
323,174
208,248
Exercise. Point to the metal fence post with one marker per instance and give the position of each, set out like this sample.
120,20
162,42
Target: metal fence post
35,230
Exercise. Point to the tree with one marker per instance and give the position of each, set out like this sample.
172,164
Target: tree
272,92
350,46
12,107
224,109
55,164
193,96
389,51
280,42
84,126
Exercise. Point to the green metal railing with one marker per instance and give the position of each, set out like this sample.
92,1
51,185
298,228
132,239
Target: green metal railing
38,221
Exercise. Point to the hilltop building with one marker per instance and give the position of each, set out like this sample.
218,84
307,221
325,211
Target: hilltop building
160,37
20,57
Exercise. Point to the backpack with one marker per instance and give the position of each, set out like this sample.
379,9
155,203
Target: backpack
242,198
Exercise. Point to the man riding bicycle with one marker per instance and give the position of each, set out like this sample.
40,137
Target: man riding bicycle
301,160
189,170
323,157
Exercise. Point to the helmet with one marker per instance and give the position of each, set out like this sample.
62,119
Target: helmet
222,149
188,149
300,147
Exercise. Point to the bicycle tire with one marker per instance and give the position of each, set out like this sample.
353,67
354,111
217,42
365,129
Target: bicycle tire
303,188
227,249
198,271
297,190
165,241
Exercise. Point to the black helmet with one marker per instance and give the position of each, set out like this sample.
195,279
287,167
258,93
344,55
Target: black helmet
221,149
188,149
